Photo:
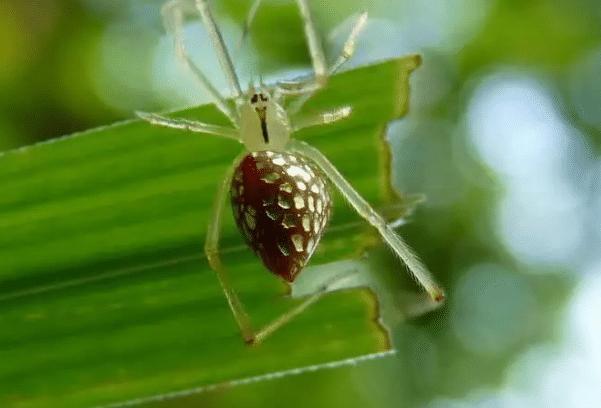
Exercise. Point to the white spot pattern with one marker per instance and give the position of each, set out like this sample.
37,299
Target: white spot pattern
299,203
297,241
303,172
306,222
291,216
283,201
287,187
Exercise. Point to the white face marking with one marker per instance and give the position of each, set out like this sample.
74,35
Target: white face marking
301,186
306,223
294,171
319,206
263,123
297,240
311,203
316,225
299,203
314,188
286,187
283,201
270,178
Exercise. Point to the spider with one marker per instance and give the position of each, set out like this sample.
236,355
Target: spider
278,185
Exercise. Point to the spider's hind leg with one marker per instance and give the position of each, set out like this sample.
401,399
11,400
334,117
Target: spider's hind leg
392,239
305,89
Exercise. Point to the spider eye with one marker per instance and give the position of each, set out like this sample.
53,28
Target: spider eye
254,98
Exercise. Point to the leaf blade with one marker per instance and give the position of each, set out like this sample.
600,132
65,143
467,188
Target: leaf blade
102,280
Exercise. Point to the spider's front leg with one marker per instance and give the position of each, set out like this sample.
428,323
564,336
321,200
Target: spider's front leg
173,19
394,241
324,118
189,125
318,59
306,88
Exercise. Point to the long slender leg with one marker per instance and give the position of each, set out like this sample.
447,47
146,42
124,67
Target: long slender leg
315,48
189,125
173,18
416,267
318,59
298,309
250,17
323,118
212,253
348,50
222,54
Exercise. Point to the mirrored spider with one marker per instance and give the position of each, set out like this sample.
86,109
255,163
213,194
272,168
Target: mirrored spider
279,186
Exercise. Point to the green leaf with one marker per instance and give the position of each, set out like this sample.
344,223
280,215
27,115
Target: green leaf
105,295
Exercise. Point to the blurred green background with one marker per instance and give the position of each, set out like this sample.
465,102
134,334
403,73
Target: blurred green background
502,136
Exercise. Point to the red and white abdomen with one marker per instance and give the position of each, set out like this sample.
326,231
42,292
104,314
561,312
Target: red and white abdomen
281,205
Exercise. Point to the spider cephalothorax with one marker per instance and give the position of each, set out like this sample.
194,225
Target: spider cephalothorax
278,189
263,121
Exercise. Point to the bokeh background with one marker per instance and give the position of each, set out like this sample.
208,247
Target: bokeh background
503,136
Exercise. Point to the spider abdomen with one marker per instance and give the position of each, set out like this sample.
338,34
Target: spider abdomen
281,205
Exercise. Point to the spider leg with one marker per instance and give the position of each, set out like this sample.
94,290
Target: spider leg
348,50
250,17
323,118
318,59
270,328
222,54
212,253
173,19
189,125
394,241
